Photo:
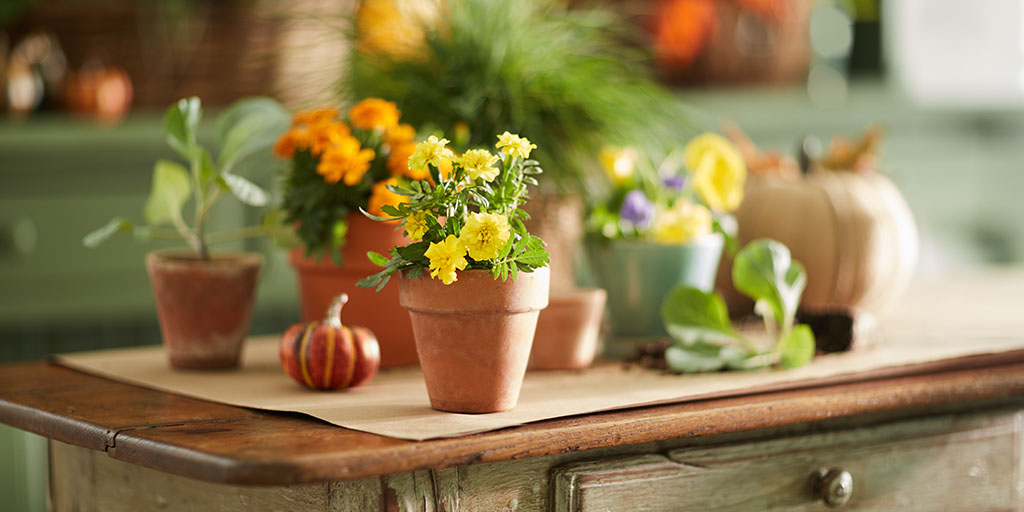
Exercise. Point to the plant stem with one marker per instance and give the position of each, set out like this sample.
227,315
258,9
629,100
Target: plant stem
237,234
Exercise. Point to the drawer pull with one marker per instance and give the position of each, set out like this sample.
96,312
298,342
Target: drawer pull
834,486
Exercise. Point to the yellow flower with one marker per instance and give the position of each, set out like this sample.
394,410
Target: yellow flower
399,135
345,160
398,162
445,258
479,163
719,171
416,225
431,151
619,163
373,113
680,224
380,196
315,116
514,145
485,234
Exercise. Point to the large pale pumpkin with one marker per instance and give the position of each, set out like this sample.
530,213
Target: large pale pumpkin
853,232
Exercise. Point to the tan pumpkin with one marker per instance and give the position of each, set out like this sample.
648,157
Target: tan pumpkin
853,232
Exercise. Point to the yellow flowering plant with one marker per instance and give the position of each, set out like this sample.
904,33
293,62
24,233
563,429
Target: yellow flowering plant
466,214
341,165
687,196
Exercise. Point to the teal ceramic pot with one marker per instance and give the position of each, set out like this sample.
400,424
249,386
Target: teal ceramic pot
638,275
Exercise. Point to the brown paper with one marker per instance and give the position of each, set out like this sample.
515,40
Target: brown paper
942,329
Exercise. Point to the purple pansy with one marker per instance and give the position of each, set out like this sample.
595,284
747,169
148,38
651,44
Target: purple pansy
636,208
674,182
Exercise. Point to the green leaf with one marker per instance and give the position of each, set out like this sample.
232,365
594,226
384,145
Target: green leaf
245,190
249,126
181,122
797,347
414,251
681,360
376,217
98,236
171,188
765,271
377,259
414,272
690,314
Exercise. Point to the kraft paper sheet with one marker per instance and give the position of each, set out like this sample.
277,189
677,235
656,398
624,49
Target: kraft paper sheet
932,333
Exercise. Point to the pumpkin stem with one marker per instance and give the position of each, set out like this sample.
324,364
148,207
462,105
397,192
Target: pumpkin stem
334,310
808,152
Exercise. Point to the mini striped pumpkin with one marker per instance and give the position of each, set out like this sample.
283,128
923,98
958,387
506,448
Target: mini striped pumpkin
329,355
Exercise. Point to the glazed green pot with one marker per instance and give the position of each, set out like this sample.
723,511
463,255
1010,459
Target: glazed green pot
638,275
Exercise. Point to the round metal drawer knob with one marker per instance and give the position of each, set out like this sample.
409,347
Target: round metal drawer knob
832,485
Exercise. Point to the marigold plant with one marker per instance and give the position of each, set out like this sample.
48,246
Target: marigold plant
464,215
340,165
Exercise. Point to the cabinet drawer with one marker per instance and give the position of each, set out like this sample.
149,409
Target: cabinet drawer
946,463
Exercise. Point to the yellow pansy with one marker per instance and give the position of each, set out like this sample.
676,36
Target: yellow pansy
445,258
514,145
619,163
684,222
484,235
416,225
374,113
479,163
431,151
718,169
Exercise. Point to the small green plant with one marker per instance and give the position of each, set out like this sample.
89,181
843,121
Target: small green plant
704,338
468,218
248,127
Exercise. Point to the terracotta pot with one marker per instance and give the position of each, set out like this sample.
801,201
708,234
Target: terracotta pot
558,220
204,307
567,331
474,336
321,281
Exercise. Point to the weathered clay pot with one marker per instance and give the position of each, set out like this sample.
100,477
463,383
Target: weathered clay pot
567,330
321,281
474,336
204,307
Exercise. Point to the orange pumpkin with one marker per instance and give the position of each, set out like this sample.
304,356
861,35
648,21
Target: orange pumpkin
329,355
853,232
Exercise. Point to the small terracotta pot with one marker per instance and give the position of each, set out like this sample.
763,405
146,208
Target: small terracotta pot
322,281
204,306
567,331
473,336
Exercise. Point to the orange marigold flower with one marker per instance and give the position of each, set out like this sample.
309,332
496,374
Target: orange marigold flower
399,134
380,196
373,113
346,161
292,140
326,135
315,116
398,162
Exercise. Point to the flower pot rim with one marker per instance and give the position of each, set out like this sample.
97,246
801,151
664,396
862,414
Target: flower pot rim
709,240
476,291
179,256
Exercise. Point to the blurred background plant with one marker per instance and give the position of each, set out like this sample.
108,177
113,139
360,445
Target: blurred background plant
568,79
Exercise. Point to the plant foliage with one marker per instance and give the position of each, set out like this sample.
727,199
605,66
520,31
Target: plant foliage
705,339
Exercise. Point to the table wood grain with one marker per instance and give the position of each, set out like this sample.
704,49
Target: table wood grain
225,444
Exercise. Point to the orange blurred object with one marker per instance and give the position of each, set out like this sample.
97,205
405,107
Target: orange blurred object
103,92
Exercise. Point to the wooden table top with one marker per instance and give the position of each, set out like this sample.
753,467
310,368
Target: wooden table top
226,444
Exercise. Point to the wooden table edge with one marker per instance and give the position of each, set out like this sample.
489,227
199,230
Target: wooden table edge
905,396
